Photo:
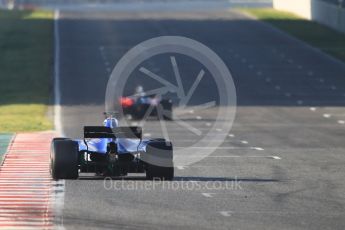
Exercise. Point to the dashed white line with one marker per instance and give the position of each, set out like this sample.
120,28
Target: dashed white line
244,142
180,167
258,148
287,94
326,115
277,87
341,122
208,195
231,135
312,109
226,213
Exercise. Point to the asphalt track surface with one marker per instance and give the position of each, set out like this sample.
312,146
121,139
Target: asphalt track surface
283,161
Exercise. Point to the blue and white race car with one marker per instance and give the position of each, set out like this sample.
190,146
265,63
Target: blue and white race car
111,150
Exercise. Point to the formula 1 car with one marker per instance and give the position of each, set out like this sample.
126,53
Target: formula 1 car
140,106
111,150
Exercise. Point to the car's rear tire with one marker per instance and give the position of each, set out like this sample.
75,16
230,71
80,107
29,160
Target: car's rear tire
64,159
164,151
168,110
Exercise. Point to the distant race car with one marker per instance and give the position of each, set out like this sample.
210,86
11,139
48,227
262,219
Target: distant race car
111,150
138,106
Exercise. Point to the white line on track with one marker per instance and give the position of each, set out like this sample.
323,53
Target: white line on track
312,109
226,213
258,148
59,202
326,115
57,94
208,195
341,122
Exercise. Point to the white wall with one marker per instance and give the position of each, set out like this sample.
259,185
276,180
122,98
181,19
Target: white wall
322,12
299,7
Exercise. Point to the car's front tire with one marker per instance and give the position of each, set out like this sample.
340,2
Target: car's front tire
64,159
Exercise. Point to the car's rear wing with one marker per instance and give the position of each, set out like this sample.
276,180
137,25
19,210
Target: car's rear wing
118,132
